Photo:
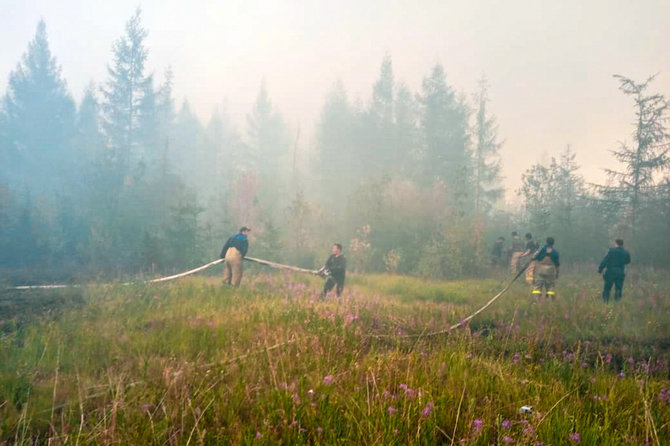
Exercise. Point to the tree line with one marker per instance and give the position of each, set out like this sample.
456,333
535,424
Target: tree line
409,182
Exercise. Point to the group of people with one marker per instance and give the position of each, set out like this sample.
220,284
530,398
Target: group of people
237,245
542,266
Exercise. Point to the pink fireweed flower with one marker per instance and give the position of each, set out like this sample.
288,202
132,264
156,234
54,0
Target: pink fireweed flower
328,379
664,395
428,409
506,424
574,437
477,425
529,431
392,410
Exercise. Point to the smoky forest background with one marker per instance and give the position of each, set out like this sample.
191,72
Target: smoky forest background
129,181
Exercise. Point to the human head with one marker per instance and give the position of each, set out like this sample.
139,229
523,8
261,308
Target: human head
550,241
244,230
336,249
529,235
619,242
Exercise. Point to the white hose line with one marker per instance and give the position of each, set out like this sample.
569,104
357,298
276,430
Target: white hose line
186,273
160,279
280,266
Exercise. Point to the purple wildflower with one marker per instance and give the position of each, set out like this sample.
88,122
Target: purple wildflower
506,424
507,439
575,438
319,430
516,358
529,431
428,409
392,410
477,425
664,395
622,375
328,379
258,435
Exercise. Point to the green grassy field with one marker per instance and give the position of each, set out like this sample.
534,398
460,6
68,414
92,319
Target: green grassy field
192,362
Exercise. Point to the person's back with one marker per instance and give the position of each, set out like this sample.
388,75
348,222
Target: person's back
234,252
616,257
546,270
614,263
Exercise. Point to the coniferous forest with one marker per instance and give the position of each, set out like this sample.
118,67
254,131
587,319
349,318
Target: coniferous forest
128,180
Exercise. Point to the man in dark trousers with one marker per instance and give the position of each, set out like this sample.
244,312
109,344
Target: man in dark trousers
546,270
335,270
233,252
614,262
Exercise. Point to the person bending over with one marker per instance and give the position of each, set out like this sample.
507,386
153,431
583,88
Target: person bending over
335,271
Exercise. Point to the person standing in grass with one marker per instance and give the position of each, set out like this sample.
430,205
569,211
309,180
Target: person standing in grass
233,253
518,247
531,247
546,270
614,263
334,270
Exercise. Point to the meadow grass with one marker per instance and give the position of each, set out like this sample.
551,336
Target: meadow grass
193,362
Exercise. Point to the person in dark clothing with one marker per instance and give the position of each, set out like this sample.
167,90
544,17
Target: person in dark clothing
546,270
335,271
614,263
233,252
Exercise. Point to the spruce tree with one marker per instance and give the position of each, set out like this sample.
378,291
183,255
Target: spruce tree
124,95
39,119
446,145
642,162
487,188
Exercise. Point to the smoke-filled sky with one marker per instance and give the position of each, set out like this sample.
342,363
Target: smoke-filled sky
549,63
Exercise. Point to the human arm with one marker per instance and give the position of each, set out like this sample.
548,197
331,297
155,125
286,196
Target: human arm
225,249
603,263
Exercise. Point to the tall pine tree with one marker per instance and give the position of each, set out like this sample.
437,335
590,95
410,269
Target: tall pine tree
487,188
637,182
124,96
446,145
39,119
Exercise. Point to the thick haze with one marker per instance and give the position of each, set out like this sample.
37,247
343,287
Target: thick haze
549,64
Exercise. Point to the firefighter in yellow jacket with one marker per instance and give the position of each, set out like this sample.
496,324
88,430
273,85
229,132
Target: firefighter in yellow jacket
546,270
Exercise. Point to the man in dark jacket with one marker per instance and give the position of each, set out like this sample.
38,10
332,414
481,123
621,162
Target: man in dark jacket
546,270
233,252
335,270
614,262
